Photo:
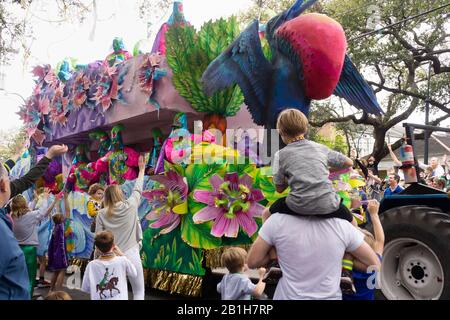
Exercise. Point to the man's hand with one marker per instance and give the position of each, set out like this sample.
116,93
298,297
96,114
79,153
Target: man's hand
373,207
56,150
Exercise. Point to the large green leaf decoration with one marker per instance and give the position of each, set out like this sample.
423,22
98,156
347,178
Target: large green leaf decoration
248,168
199,235
189,53
169,252
265,183
198,174
174,167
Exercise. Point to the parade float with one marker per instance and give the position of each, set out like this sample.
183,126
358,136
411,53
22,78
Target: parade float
201,192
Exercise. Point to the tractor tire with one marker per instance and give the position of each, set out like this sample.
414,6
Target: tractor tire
416,259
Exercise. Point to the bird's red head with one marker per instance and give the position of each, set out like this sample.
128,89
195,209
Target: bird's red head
320,44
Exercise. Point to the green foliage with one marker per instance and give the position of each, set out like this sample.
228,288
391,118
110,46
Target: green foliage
394,60
197,175
394,48
167,257
11,144
174,167
264,182
198,235
264,10
170,252
339,142
196,264
189,53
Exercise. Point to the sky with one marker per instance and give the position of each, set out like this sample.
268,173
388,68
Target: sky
116,18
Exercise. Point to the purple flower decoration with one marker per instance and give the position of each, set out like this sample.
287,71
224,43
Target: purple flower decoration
232,203
168,203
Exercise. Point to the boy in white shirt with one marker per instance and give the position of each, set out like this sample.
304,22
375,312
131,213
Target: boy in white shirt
105,278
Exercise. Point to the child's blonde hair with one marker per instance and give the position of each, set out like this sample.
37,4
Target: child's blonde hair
292,123
113,194
58,295
19,206
234,259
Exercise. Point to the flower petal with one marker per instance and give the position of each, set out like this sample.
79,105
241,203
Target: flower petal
247,223
207,214
233,178
162,179
153,215
204,196
220,226
256,195
171,227
215,181
165,220
157,193
233,228
246,180
255,210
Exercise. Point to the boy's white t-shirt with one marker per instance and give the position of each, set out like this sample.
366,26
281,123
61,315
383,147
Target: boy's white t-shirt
107,280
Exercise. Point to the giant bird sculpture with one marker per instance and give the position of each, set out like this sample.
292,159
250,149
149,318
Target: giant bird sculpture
308,62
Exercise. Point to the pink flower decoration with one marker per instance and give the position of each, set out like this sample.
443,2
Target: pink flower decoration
168,203
232,203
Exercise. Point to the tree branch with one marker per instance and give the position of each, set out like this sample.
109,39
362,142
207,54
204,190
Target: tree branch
437,121
380,75
365,119
403,116
412,94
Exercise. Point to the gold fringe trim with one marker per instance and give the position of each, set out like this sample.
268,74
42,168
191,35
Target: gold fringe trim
174,282
213,256
81,263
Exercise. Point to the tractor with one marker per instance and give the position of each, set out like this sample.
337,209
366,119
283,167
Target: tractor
416,222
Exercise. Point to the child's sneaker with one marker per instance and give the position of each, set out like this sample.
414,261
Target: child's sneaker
347,285
42,283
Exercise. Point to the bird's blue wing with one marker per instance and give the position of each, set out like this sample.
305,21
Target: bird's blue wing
294,11
243,63
353,88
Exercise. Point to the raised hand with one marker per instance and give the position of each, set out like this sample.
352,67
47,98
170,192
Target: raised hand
56,150
373,207
142,162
